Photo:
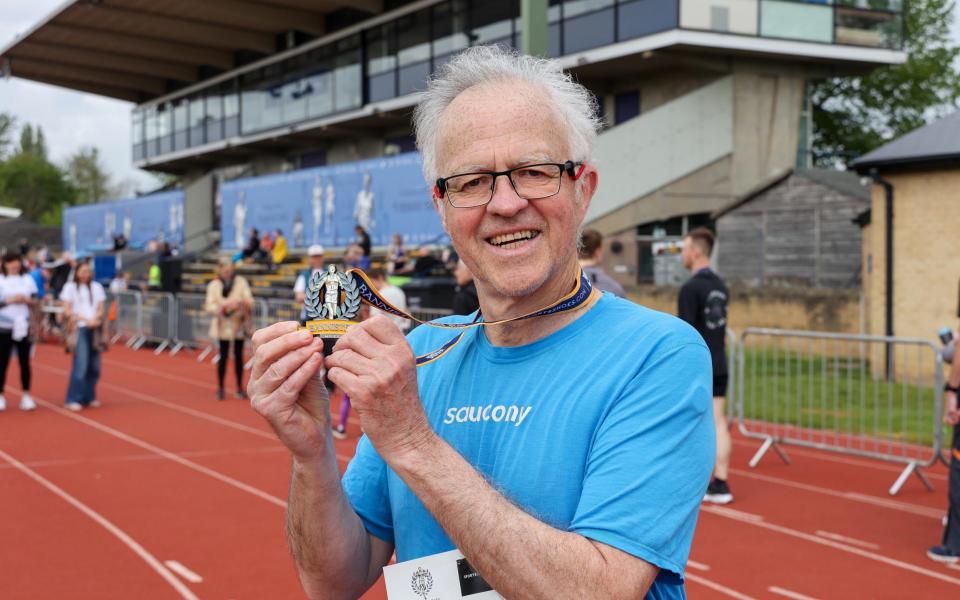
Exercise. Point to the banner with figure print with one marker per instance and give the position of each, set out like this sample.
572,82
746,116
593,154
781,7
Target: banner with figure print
323,205
157,217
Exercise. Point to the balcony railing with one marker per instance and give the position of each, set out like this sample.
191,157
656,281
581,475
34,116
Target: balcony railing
396,57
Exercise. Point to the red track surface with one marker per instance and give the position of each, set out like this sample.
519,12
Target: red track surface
95,504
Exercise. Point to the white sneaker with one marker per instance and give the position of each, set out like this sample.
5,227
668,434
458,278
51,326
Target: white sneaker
3,402
27,403
74,406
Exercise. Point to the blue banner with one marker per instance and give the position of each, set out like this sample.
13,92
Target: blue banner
156,217
325,204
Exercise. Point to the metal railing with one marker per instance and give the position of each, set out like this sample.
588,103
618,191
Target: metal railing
159,323
838,393
192,325
129,322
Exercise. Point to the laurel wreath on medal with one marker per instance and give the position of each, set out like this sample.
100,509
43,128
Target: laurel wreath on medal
421,582
314,306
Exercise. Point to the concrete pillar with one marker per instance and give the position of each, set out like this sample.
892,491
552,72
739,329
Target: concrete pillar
533,24
198,222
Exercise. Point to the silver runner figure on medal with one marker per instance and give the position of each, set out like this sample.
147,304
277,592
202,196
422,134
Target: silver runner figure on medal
331,300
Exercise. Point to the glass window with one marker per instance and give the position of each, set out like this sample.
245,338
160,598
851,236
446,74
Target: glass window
180,115
868,28
214,121
164,128
197,120
231,109
572,8
797,21
734,16
492,23
587,24
381,62
348,91
626,106
295,90
413,54
643,17
449,30
136,126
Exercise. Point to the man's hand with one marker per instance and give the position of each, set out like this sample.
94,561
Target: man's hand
375,366
285,390
951,416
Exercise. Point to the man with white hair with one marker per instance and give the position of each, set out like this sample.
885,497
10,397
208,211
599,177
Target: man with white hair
564,452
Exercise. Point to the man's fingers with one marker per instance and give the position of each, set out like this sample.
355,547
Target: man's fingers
383,329
295,382
345,380
270,351
361,342
262,336
350,360
282,368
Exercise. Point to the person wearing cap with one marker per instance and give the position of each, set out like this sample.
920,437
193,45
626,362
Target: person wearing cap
315,257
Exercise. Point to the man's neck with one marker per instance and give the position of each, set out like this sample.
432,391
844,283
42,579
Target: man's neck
495,307
699,265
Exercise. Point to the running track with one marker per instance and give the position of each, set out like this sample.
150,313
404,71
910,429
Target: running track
165,493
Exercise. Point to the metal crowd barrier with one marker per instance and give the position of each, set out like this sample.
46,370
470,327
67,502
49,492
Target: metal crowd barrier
870,396
192,325
159,312
129,322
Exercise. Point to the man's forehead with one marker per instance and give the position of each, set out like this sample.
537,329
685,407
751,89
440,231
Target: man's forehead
508,120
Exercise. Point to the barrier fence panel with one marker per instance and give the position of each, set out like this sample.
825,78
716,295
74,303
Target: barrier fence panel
428,314
730,407
159,319
129,322
871,396
192,325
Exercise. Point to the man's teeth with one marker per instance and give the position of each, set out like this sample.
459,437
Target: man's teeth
501,240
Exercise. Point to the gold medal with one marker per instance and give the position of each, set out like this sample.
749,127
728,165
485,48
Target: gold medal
332,300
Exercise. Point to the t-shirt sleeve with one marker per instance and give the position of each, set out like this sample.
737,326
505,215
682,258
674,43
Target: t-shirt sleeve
67,294
31,285
651,461
98,294
300,284
365,484
687,305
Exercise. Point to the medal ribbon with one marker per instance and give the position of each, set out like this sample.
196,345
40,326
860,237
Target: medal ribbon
581,293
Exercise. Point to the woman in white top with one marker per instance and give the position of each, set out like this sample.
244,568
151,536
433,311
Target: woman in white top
18,292
83,301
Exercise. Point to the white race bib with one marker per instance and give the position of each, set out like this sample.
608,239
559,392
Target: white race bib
444,576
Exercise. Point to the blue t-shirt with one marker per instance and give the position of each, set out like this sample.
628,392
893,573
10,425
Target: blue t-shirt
603,428
37,275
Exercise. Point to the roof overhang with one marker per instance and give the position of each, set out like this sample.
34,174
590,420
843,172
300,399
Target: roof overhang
137,50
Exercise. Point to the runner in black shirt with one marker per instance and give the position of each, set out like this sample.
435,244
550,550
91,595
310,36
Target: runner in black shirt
703,304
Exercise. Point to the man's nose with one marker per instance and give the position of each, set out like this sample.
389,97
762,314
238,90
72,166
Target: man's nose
505,201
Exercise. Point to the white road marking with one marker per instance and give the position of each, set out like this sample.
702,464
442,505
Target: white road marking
190,411
164,453
849,540
734,513
103,522
182,571
698,566
717,587
66,462
916,509
788,594
838,546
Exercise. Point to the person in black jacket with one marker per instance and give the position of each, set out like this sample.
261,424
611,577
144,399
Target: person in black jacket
703,303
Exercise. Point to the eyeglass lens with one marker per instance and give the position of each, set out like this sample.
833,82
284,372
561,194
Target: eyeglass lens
531,182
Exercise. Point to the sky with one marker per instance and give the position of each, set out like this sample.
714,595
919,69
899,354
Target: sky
73,119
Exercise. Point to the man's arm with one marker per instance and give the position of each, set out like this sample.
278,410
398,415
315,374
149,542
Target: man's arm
520,556
335,556
688,305
951,414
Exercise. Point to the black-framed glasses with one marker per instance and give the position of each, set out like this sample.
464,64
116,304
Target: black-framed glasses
530,182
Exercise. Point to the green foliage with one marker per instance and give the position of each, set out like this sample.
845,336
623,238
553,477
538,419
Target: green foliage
36,186
88,176
33,141
854,115
7,123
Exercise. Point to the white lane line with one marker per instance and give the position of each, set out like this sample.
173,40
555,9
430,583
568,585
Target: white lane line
698,566
190,411
788,594
103,522
151,372
916,509
848,540
844,461
164,453
67,462
838,546
734,513
182,571
717,587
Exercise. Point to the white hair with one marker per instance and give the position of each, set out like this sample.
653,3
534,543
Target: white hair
477,65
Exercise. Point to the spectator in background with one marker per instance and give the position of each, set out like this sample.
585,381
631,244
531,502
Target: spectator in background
253,245
119,242
83,300
18,294
591,257
465,301
230,301
154,280
949,550
315,257
266,243
391,294
703,304
279,248
354,258
396,255
121,282
363,240
40,275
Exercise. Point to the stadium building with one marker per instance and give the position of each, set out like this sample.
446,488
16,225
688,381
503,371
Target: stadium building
289,99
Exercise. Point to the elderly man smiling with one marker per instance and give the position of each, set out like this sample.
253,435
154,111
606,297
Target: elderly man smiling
564,455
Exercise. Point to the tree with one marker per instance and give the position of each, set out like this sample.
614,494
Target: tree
7,123
854,115
33,142
36,186
88,177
